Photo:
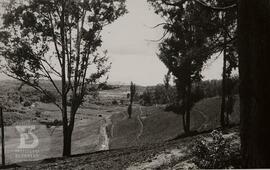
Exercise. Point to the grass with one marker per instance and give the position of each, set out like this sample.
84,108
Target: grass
160,126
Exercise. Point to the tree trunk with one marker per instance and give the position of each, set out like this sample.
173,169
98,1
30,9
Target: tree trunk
223,97
188,107
224,84
66,131
229,108
67,142
227,119
184,122
184,109
2,137
254,52
129,111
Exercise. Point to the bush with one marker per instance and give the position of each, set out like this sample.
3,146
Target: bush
216,153
38,113
146,98
50,98
27,104
114,102
122,102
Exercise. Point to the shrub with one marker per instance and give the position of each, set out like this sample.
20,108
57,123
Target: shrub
146,98
38,113
216,153
27,104
122,102
114,102
50,98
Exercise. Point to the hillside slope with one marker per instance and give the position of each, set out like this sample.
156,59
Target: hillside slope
173,154
152,124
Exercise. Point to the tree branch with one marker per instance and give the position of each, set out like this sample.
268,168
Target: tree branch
55,41
160,24
233,6
51,67
79,34
51,80
180,3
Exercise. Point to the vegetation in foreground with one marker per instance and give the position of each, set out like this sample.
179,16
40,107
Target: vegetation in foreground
177,154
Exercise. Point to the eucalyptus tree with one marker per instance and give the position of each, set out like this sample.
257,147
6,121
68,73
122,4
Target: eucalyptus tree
253,47
58,40
228,31
222,21
191,28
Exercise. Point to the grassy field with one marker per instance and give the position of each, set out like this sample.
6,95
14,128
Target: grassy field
148,125
156,125
88,134
174,154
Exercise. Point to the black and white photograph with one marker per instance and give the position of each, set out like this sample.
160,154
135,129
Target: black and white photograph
134,84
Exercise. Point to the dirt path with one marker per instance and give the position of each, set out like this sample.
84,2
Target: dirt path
104,139
140,122
113,123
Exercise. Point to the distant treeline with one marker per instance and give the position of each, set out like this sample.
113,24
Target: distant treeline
159,94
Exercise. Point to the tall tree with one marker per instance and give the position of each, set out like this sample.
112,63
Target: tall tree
224,16
253,47
254,38
131,98
186,49
228,25
58,39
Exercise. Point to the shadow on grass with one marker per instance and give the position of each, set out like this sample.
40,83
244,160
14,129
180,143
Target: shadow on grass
195,133
126,150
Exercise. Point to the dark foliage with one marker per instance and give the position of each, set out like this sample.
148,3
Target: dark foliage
131,96
158,94
216,153
50,97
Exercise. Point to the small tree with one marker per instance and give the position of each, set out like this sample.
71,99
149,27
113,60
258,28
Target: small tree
58,39
166,80
147,97
131,98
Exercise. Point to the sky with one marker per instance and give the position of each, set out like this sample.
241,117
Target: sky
133,54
